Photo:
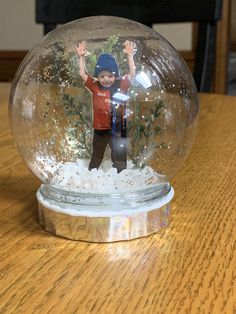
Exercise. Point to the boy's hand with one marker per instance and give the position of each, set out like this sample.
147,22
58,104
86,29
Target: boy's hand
81,50
130,47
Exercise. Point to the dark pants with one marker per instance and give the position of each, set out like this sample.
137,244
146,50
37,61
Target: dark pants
101,139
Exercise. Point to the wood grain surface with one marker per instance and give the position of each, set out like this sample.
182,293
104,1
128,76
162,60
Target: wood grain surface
190,267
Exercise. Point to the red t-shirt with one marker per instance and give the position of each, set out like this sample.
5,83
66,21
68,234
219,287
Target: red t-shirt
101,102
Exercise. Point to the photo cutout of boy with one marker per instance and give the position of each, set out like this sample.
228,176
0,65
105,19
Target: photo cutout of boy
108,90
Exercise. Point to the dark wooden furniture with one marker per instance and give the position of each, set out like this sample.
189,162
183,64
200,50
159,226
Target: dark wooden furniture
205,12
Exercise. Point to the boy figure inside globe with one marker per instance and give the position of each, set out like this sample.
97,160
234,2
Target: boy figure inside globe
108,90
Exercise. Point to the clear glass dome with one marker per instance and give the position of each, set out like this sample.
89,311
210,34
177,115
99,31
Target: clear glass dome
103,108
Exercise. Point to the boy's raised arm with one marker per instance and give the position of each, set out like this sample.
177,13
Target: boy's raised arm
81,50
129,49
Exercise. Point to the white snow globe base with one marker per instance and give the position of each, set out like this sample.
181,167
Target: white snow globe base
79,223
103,205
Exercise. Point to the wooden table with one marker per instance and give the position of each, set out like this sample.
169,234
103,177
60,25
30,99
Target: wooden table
190,267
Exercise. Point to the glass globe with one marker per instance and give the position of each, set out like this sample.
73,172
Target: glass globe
103,111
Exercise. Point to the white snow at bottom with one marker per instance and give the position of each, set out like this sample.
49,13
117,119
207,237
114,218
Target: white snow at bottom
75,176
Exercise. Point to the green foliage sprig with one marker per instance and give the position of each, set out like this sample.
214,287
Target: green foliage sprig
142,129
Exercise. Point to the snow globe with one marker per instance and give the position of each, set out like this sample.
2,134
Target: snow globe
103,111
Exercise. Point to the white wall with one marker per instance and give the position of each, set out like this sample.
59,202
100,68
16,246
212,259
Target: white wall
18,30
178,34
